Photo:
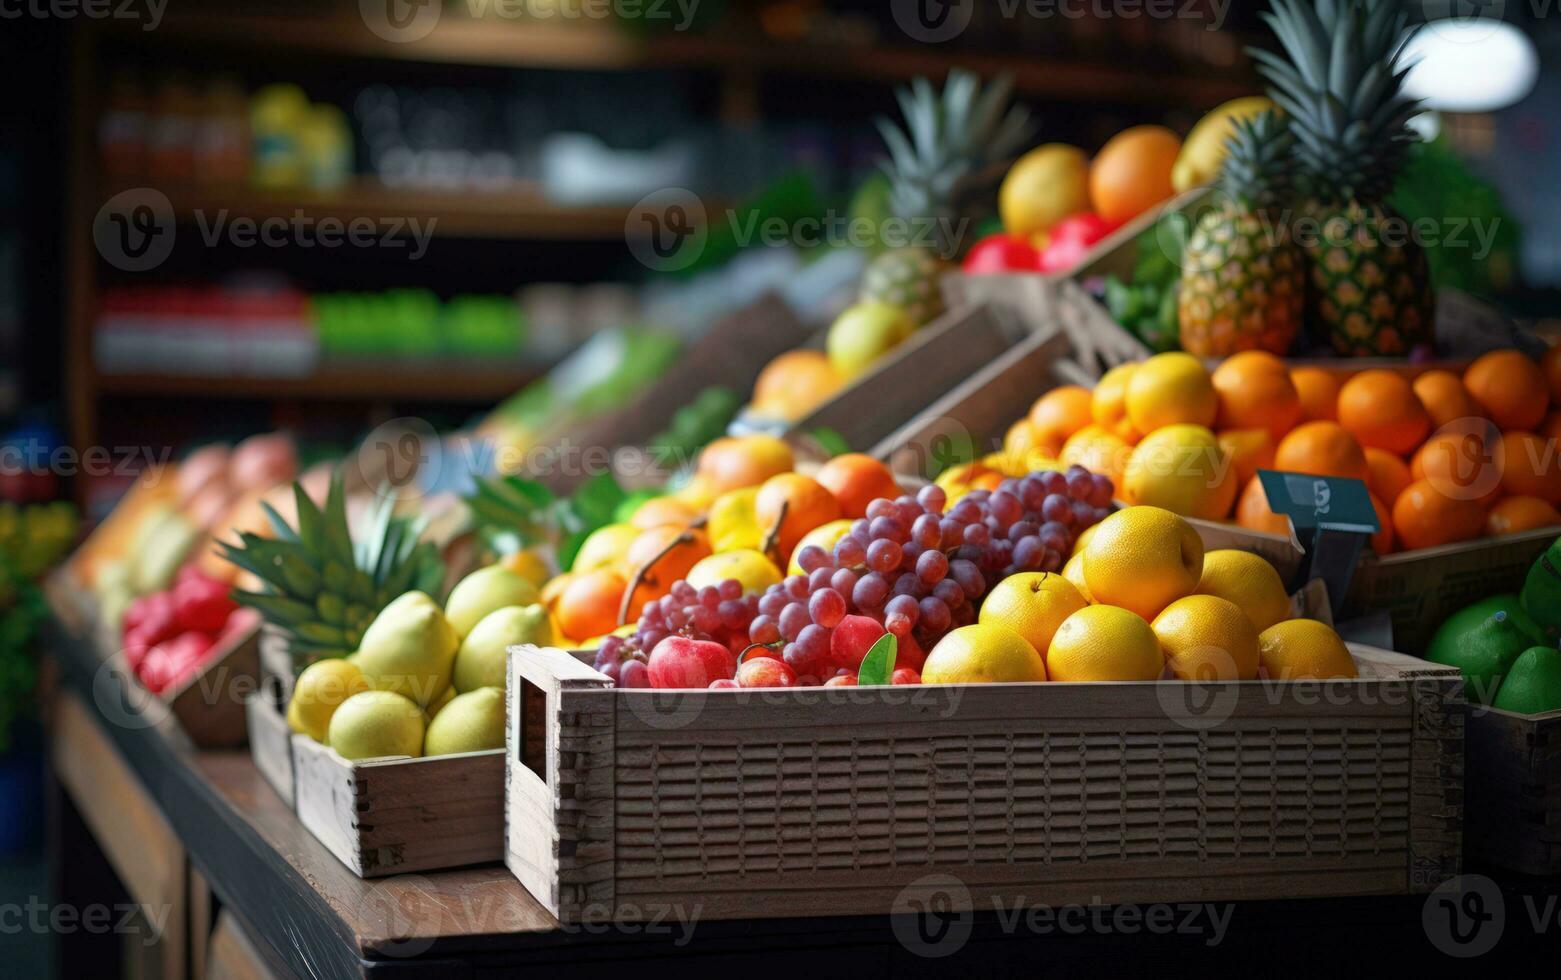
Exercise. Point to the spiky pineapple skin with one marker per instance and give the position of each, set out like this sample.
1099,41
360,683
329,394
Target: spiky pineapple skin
909,278
1372,297
1243,285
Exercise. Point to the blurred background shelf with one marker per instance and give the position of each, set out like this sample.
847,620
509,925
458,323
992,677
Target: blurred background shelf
451,381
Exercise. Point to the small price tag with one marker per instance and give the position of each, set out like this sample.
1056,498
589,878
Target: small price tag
1333,520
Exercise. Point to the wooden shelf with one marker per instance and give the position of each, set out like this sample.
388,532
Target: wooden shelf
396,381
601,47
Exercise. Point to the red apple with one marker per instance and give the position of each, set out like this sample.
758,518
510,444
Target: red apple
724,684
152,616
765,672
1000,253
202,603
679,662
905,675
852,638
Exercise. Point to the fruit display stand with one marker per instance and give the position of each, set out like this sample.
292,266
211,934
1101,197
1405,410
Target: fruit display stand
1514,790
625,800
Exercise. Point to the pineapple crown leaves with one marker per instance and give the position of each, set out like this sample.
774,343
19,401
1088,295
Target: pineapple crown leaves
511,511
954,147
323,586
1341,83
1258,167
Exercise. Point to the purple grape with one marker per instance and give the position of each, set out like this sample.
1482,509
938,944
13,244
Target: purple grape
933,498
683,592
634,673
710,597
880,508
1055,536
812,558
968,576
1083,514
1005,507
704,619
763,629
859,530
1051,561
883,556
950,531
613,669
888,529
843,581
870,591
733,615
1100,494
1029,552
772,602
950,592
907,584
926,531
1032,492
1021,530
977,534
966,511
849,552
827,607
796,586
935,615
792,619
1057,507
813,642
1054,482
676,619
932,567
819,579
731,589
1081,483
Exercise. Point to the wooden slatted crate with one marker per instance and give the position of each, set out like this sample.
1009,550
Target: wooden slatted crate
399,815
270,739
1514,790
839,801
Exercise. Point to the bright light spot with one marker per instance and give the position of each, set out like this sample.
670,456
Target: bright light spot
1470,65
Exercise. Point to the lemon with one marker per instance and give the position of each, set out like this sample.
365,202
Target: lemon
1043,187
375,724
1032,604
1203,152
1105,643
319,691
605,547
1143,559
1249,581
1207,638
1168,389
826,536
1304,648
1073,571
486,590
983,654
864,333
747,565
1183,469
470,722
733,521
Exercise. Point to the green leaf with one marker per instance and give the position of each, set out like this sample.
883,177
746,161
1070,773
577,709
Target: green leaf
878,666
832,442
283,531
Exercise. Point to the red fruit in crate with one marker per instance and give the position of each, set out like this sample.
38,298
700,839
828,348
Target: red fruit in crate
679,662
765,672
1086,229
904,675
152,616
1000,253
852,638
908,653
724,684
135,651
201,603
156,670
843,680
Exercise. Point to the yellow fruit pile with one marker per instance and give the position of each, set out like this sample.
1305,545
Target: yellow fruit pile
1138,601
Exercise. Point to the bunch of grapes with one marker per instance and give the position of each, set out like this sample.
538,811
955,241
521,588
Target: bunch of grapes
921,571
722,613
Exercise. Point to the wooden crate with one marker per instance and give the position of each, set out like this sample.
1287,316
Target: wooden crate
1514,790
399,815
837,801
270,739
904,382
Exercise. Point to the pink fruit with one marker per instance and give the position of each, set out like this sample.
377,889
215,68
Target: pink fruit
724,684
905,675
851,640
201,603
843,680
766,672
908,653
1000,253
156,669
152,616
679,662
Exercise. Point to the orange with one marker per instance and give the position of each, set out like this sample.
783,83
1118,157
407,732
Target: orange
1514,514
554,589
1380,409
1463,460
1321,449
807,506
1304,649
1020,441
1510,388
794,383
1550,364
1105,643
1108,405
1318,389
1424,517
1531,466
1382,541
1183,469
675,564
1387,475
856,480
1132,172
1253,512
663,510
734,462
1248,450
1032,604
589,605
1171,388
1206,638
1143,559
1060,413
1255,392
1249,581
1098,451
1445,398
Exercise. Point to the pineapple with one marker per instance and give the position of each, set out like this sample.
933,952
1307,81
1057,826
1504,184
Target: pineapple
1243,279
1341,87
942,167
324,588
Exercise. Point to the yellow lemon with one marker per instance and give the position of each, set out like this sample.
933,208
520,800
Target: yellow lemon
1097,450
529,564
733,522
1105,643
747,565
1043,187
1073,571
983,654
864,333
1168,389
1182,469
605,547
1203,152
1108,402
1143,559
826,536
697,493
1032,604
320,690
1304,648
1207,638
1249,581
